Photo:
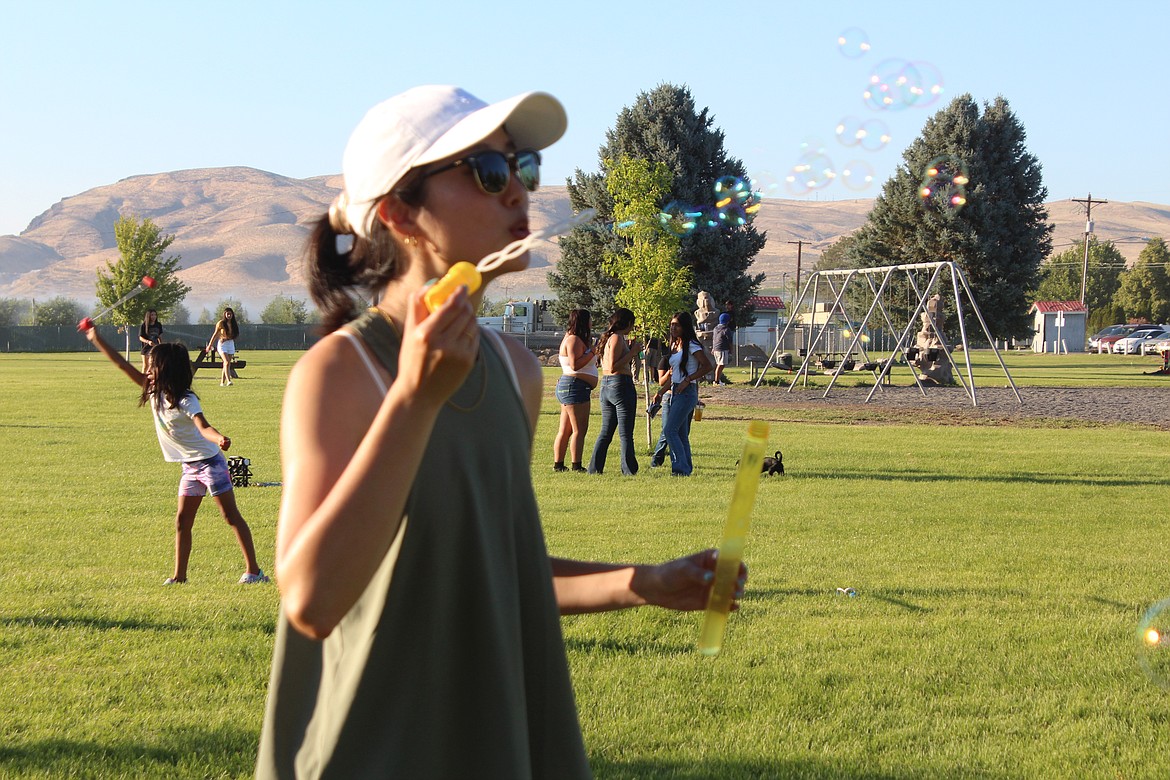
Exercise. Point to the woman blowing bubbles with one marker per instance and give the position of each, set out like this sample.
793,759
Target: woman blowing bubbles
419,632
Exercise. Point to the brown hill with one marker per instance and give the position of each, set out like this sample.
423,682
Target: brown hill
241,233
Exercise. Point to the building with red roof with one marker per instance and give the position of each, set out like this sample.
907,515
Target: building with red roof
1060,326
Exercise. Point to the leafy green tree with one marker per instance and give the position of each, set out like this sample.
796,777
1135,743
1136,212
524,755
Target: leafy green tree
490,308
663,126
140,247
1060,279
285,311
653,284
11,310
984,210
180,315
59,311
1144,293
235,305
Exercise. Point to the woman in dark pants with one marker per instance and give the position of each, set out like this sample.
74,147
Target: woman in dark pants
619,397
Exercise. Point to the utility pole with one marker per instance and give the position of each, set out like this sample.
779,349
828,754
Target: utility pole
1088,204
799,246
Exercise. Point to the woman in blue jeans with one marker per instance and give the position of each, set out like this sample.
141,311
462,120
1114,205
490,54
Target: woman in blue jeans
687,363
619,398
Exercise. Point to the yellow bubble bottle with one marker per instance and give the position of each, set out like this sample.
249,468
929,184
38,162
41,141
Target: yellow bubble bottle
462,273
739,516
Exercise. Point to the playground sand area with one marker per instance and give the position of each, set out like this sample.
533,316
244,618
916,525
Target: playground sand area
952,405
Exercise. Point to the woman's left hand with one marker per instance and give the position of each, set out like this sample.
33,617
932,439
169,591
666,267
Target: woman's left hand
684,583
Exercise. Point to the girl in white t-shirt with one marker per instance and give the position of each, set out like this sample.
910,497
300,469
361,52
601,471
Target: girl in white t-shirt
186,437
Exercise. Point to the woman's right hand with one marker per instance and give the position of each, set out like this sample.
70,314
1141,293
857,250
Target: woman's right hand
439,347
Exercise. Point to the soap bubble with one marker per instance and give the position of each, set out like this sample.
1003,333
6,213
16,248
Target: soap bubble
944,184
1153,642
853,43
765,185
874,135
811,172
814,169
849,131
679,218
857,175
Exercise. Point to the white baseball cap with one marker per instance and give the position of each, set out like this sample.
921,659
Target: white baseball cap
427,124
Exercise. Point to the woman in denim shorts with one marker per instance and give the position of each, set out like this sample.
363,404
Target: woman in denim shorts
578,378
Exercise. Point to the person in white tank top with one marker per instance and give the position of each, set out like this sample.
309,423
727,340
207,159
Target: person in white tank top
576,383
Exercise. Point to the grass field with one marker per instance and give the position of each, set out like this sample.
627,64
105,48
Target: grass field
1000,571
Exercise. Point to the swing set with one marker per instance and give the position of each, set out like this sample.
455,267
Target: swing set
879,282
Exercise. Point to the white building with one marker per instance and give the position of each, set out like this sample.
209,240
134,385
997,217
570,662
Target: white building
1060,326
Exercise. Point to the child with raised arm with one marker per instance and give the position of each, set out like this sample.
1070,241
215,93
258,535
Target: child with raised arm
186,437
419,633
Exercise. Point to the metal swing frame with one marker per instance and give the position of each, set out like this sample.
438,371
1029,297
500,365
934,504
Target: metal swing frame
959,286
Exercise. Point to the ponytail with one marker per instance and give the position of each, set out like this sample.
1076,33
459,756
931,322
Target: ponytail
339,281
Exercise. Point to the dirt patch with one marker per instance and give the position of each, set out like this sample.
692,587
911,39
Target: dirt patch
1142,406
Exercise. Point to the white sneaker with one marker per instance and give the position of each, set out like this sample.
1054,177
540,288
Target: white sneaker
254,579
173,581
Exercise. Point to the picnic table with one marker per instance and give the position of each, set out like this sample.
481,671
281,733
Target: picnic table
206,360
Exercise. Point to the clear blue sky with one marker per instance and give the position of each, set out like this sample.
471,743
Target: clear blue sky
93,92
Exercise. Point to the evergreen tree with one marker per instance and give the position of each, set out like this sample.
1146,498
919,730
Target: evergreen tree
663,126
967,192
1144,293
580,281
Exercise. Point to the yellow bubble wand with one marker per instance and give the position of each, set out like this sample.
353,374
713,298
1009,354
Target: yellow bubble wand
739,517
464,273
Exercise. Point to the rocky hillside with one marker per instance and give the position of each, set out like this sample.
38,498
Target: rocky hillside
241,233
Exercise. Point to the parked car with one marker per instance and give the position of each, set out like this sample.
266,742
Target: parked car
1117,331
1103,340
1132,344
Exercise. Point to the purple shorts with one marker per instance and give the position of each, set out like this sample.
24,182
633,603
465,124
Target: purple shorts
203,476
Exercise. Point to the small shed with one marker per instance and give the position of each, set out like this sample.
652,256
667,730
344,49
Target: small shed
763,334
1060,326
767,309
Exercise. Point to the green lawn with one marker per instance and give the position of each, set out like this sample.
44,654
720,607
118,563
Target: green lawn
1001,573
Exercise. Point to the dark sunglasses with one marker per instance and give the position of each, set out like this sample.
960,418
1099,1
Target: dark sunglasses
493,169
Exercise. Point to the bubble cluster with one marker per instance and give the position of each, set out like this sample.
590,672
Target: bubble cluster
853,43
896,84
1153,644
814,170
871,134
944,184
735,202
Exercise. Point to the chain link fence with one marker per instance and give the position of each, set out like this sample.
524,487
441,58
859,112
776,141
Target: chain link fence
65,338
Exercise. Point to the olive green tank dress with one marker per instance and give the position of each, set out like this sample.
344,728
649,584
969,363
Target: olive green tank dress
451,664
